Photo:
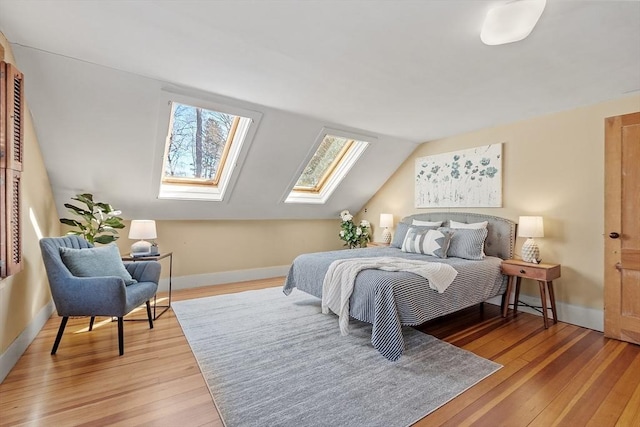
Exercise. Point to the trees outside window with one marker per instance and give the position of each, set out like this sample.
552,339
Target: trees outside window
198,141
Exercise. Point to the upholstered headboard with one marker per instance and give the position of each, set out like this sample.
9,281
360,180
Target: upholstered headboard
501,235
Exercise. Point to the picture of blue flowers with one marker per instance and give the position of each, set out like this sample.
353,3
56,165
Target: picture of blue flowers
467,178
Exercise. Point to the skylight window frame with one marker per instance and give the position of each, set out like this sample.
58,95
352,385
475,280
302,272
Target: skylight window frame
223,158
339,172
197,190
330,170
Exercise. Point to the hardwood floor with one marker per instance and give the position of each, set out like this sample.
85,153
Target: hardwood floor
564,375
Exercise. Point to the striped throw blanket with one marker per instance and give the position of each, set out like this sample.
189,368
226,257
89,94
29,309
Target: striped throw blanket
337,286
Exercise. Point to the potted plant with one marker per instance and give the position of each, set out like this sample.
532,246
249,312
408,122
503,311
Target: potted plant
98,221
354,236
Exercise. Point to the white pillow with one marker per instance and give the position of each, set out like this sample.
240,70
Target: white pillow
473,226
426,223
427,242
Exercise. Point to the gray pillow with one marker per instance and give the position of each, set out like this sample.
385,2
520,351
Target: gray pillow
96,262
466,243
401,233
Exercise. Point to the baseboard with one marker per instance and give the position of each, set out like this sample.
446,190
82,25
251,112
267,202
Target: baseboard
198,280
10,357
586,317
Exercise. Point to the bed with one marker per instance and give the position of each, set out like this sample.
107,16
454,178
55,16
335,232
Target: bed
390,300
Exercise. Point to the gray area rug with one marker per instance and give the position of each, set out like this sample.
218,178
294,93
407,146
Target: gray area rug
273,360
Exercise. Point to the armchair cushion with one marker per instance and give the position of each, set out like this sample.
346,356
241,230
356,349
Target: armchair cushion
144,271
94,262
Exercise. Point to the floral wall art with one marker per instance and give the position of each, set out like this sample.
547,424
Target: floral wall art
466,178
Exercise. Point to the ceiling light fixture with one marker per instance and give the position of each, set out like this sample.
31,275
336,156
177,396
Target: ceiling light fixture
511,22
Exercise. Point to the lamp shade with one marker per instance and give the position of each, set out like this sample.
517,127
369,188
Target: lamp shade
530,226
386,220
143,229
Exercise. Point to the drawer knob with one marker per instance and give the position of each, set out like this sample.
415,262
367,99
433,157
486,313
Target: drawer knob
522,271
614,235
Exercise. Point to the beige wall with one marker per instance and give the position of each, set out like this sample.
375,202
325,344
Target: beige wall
554,167
23,295
201,247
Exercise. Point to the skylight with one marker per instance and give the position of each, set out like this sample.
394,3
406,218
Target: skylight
198,143
202,146
328,166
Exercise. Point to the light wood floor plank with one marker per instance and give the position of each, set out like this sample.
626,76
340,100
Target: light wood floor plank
631,414
609,411
605,379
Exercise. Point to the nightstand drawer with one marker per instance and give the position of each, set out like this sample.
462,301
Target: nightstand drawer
531,271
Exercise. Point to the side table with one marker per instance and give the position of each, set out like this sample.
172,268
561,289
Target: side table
543,273
156,258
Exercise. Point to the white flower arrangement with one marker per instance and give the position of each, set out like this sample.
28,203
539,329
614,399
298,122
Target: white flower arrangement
354,236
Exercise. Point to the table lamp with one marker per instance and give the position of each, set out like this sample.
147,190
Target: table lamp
386,221
143,229
530,227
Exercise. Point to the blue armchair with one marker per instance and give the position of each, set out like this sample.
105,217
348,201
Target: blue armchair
96,296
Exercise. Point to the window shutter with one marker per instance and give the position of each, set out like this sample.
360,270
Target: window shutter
11,158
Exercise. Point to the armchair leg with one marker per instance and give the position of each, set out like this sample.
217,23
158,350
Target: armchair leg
121,335
63,324
149,315
93,319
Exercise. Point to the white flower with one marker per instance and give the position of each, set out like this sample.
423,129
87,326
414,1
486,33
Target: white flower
358,231
347,217
341,233
343,213
364,223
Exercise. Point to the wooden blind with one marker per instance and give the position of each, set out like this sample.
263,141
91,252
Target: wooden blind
11,163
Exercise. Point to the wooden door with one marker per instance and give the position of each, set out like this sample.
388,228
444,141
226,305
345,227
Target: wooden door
622,228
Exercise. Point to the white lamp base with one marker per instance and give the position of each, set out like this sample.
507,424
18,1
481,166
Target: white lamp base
141,248
386,235
530,251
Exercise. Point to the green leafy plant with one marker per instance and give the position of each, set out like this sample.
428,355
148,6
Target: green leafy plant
99,221
354,235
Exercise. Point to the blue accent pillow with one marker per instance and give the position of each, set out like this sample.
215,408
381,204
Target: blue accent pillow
96,262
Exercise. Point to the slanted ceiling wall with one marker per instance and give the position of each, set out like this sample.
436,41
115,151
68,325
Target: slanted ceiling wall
101,131
554,167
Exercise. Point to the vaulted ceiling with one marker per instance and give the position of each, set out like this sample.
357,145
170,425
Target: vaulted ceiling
401,72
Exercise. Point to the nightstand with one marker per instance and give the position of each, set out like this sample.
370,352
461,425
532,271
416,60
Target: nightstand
543,273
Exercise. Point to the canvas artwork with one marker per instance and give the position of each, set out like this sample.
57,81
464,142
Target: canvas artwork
466,178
